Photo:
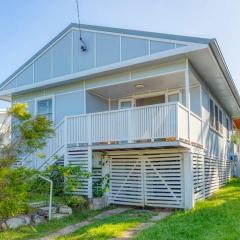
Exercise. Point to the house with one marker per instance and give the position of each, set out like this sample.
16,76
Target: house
4,126
153,110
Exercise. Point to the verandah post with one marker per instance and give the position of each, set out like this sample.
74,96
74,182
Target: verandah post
187,96
189,199
90,195
65,140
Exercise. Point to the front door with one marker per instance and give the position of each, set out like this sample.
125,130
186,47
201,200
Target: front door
146,179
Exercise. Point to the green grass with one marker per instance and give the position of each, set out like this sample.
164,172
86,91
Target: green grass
217,218
29,232
110,227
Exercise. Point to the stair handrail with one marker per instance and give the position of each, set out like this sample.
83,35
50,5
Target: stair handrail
47,142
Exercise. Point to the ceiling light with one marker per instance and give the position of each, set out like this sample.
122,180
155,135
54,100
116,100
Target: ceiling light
139,86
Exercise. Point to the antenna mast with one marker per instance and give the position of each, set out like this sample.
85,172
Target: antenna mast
82,43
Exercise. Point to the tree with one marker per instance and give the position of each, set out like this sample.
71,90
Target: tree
28,134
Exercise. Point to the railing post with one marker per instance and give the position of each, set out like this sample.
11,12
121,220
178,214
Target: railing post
89,129
65,137
109,128
177,121
130,126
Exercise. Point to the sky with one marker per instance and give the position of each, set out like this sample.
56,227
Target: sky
27,25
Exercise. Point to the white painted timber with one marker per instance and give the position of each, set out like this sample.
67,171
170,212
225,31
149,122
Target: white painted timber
147,178
134,125
188,181
153,122
79,158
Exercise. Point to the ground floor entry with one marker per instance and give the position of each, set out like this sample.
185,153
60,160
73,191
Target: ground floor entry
146,178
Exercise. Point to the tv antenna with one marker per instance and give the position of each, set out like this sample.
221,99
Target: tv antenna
83,46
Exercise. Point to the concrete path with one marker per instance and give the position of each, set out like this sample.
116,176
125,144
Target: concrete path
129,234
72,228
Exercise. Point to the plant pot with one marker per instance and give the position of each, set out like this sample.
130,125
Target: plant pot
98,203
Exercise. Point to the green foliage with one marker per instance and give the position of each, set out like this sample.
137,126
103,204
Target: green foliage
77,202
14,189
101,186
66,179
28,134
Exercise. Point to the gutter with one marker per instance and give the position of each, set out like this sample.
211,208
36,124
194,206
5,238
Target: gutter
216,51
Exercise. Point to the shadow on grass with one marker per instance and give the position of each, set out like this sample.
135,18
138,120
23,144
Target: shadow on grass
111,227
29,232
216,218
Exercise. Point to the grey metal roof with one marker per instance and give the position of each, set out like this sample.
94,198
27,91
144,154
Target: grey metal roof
114,30
145,33
211,42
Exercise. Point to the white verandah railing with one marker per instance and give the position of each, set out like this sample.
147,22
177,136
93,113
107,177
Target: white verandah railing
128,125
153,123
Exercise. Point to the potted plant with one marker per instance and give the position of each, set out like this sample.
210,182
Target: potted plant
100,188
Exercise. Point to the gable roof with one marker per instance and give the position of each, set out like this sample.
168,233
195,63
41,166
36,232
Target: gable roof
195,41
110,30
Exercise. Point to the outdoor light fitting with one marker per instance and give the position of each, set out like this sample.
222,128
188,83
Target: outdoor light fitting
139,86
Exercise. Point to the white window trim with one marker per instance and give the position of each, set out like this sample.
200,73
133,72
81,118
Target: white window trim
132,100
153,94
213,128
37,99
174,92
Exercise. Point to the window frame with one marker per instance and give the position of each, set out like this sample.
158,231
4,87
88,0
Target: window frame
172,93
120,101
50,97
220,113
216,113
211,113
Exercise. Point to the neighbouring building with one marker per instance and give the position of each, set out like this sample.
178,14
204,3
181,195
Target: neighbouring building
153,110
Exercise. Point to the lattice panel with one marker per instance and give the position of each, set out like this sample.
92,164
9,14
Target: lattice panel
126,182
217,173
77,157
163,180
198,176
146,178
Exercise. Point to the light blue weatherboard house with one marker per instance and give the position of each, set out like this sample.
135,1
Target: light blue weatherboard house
153,110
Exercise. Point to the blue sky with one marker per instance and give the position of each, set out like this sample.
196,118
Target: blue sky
26,26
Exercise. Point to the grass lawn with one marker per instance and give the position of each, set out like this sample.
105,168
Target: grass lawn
111,227
29,232
217,218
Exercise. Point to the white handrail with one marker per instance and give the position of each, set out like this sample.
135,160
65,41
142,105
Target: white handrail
53,144
152,122
132,124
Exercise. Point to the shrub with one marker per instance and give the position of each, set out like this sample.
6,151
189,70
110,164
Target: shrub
66,179
74,201
14,189
27,135
101,186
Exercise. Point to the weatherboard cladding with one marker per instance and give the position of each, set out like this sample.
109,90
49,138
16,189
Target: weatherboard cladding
106,46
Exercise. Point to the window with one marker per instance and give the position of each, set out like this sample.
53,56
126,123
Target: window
150,100
228,128
220,121
44,108
211,113
173,97
124,104
216,118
